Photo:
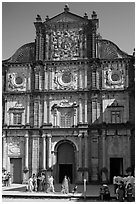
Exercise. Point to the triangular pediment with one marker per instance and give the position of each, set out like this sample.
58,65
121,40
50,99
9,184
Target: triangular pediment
66,18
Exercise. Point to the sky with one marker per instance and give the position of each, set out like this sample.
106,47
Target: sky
116,21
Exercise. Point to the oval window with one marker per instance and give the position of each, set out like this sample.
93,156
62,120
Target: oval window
19,80
66,77
115,77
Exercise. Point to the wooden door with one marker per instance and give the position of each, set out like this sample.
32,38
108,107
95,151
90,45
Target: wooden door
16,170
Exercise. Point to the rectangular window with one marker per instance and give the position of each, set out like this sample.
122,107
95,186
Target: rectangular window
115,117
65,120
62,120
17,118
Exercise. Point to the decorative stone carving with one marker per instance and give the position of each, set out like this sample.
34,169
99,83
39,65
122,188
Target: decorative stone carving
65,104
114,78
65,44
16,82
14,149
65,79
14,146
17,108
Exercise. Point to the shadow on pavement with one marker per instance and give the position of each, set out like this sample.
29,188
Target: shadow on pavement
21,189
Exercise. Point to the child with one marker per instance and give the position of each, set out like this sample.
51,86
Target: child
129,193
74,189
30,184
120,193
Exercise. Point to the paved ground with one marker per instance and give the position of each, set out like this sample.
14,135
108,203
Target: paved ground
19,190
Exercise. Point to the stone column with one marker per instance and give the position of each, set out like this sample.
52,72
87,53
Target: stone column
47,47
58,115
46,79
45,110
26,150
40,113
93,38
86,150
29,78
28,109
75,117
80,79
36,119
37,47
98,109
40,81
86,119
44,152
5,119
11,121
40,37
49,136
93,104
4,152
41,47
36,80
103,148
55,118
50,116
80,150
129,148
80,110
50,79
85,76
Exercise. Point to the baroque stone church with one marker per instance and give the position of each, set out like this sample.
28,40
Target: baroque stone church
68,103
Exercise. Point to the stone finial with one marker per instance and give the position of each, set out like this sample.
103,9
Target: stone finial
38,18
134,53
94,15
66,8
85,16
47,18
99,36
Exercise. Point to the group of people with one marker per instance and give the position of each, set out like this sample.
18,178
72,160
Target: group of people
124,188
40,183
65,187
6,179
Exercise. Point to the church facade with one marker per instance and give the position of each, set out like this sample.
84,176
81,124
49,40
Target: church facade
68,103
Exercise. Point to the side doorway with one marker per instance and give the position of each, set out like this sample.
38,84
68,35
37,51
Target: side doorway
116,167
16,170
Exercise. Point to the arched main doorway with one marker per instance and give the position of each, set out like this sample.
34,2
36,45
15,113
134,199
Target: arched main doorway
65,160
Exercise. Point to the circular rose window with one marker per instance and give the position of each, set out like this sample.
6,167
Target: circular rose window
19,80
66,77
115,77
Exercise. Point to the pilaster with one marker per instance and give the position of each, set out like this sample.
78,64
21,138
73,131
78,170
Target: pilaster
28,110
44,152
27,150
4,148
80,110
49,136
